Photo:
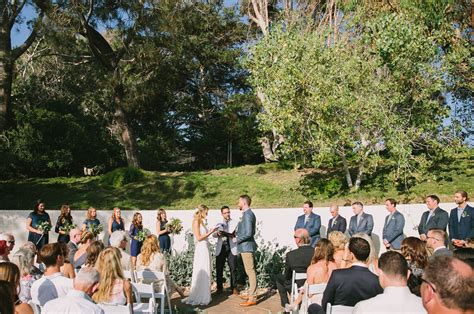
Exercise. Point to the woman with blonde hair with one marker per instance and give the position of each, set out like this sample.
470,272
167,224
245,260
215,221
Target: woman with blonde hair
201,279
339,242
135,228
113,288
152,259
116,222
91,219
64,219
80,256
93,252
11,273
162,232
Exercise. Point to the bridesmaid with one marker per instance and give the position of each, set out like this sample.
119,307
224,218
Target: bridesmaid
91,219
163,234
135,246
35,218
116,222
63,219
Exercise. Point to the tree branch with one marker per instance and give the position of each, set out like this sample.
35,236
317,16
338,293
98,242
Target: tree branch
18,51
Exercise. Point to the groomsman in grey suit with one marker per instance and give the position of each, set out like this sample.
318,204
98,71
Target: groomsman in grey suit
393,227
246,246
433,218
337,222
360,222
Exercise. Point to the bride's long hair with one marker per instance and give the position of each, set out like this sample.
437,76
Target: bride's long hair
200,214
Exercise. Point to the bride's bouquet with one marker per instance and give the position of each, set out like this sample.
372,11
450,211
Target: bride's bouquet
44,227
142,234
174,226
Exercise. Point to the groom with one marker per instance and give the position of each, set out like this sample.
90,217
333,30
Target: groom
246,246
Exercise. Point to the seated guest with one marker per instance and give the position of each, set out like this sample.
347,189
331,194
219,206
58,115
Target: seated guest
53,284
396,297
80,257
93,252
448,286
356,283
339,241
7,305
119,240
67,269
73,244
78,299
435,240
113,288
414,251
466,255
31,247
337,222
10,272
297,260
10,242
152,259
372,260
24,259
4,251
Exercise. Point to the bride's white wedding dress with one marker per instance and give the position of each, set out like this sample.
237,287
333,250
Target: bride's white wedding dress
201,281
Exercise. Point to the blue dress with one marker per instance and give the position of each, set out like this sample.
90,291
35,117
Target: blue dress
165,241
89,222
135,245
117,226
38,239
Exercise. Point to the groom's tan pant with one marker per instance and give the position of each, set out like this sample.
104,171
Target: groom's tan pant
247,259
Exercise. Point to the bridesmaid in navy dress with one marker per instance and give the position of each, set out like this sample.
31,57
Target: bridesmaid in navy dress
116,222
135,246
163,234
63,219
91,219
35,218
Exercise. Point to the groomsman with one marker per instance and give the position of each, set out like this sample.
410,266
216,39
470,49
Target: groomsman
246,246
336,223
461,220
309,221
360,222
433,218
393,227
226,250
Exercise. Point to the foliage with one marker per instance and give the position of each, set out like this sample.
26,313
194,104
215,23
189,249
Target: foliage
44,227
142,234
67,227
95,229
122,176
174,226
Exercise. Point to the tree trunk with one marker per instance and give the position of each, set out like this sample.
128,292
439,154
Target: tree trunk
360,173
346,170
6,69
122,128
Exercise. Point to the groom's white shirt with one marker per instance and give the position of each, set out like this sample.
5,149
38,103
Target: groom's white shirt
232,241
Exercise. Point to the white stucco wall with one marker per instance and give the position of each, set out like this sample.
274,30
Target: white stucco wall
275,224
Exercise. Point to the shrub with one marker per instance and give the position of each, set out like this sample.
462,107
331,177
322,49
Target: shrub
313,186
121,176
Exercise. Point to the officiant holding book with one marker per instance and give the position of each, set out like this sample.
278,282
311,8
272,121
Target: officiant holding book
226,249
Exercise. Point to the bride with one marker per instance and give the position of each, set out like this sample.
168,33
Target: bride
201,281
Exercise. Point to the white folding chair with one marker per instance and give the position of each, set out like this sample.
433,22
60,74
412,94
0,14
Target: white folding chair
339,309
294,288
115,308
36,308
159,279
149,307
311,290
130,274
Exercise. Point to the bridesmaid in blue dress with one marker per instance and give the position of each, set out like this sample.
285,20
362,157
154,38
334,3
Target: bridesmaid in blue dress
91,219
116,222
35,218
163,234
63,219
135,245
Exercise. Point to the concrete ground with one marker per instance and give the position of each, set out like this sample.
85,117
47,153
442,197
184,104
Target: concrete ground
268,302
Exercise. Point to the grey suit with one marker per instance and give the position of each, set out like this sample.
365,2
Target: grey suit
366,224
441,252
393,230
438,220
72,251
245,233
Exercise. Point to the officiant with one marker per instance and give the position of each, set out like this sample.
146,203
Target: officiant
226,249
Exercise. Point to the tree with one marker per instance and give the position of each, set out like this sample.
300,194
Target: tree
10,14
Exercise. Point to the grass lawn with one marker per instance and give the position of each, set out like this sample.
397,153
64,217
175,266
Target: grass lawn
270,185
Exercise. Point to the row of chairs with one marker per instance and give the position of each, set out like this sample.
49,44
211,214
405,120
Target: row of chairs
315,289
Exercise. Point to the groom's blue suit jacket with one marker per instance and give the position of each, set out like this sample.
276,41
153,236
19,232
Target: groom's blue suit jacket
245,233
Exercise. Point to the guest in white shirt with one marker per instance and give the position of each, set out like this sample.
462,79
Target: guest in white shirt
396,297
78,300
119,240
53,284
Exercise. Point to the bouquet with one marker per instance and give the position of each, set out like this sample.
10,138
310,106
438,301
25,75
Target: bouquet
174,226
44,227
96,229
141,235
67,227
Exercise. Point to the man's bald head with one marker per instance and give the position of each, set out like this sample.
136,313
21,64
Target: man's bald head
301,237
